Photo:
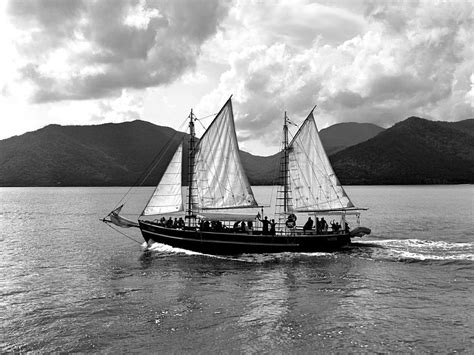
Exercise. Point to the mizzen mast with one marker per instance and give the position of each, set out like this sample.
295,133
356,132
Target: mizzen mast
191,163
285,165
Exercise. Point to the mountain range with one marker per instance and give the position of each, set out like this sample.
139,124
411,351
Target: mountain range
414,151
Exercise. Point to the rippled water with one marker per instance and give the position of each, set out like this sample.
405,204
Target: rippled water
69,283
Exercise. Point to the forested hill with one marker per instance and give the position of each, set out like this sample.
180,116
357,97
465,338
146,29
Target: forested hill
108,154
342,135
413,151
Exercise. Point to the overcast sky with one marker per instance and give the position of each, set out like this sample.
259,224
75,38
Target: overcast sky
91,62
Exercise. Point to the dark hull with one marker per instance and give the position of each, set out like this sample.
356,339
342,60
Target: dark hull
238,243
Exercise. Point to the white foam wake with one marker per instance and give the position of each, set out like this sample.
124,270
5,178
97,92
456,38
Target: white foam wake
423,250
167,249
421,244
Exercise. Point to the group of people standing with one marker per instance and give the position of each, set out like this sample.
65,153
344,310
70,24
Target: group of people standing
169,223
322,226
268,226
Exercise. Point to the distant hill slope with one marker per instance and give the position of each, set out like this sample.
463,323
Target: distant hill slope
466,126
109,154
343,135
414,151
261,170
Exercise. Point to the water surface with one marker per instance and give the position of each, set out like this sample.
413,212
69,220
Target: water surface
70,283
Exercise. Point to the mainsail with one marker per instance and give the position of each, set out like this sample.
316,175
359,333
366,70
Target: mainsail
219,179
313,183
167,196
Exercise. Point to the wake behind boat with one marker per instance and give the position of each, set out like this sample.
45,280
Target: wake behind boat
221,211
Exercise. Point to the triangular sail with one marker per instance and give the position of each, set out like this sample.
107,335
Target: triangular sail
219,178
167,196
313,183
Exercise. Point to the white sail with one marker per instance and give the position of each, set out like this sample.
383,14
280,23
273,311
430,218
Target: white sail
167,196
219,178
314,185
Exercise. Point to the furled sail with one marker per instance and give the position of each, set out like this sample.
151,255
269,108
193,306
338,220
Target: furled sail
115,218
313,183
219,178
167,196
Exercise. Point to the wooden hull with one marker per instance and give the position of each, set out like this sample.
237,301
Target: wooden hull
220,243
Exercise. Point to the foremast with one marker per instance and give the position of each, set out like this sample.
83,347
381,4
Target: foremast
284,199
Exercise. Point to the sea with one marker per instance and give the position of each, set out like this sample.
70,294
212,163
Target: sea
70,283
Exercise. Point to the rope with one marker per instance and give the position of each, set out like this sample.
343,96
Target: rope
201,118
154,162
115,229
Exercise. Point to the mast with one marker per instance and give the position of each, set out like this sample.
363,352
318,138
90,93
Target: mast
284,198
285,165
192,141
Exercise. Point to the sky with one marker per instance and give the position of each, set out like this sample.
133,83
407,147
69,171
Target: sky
82,62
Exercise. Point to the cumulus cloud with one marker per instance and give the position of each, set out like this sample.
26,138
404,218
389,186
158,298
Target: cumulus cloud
387,62
79,49
365,61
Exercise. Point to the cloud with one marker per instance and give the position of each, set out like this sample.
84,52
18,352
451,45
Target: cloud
79,50
388,62
128,106
367,61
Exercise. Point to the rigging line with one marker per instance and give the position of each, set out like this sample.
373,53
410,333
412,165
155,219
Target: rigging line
201,124
288,120
202,118
276,177
152,163
136,241
148,170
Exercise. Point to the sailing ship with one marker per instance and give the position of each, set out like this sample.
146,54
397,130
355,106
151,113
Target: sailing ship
220,205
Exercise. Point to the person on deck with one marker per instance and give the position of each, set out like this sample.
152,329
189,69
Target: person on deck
244,228
169,223
324,225
265,224
308,225
318,226
236,226
250,226
347,229
272,227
